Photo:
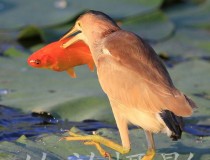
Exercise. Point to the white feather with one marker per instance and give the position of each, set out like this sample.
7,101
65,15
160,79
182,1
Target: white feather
106,51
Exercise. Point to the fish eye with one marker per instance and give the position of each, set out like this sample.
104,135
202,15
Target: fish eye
37,61
79,24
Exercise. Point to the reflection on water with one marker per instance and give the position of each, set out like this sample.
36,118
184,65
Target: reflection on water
14,123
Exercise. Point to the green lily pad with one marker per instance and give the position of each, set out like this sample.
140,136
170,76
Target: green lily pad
12,52
17,14
186,43
53,149
46,35
197,16
152,26
192,78
50,26
120,8
38,90
30,34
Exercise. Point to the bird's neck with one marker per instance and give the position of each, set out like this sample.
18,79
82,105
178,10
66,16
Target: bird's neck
95,41
95,49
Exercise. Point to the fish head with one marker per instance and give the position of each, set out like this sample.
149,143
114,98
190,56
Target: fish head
42,58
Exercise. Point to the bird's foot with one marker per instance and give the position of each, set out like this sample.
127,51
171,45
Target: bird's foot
97,140
149,155
89,140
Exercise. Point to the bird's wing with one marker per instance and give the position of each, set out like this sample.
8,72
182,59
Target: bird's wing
131,73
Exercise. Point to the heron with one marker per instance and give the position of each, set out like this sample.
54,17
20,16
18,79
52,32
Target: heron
135,81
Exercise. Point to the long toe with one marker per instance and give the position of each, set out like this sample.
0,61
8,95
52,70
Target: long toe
89,140
149,155
99,148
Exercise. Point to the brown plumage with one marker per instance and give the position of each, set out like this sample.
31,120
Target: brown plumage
135,80
136,66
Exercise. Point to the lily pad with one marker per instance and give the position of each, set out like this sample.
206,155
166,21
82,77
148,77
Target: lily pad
17,14
13,52
186,43
120,8
197,16
152,26
192,78
53,149
43,90
47,35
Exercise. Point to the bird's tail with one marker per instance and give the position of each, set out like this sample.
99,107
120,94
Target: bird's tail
174,123
191,103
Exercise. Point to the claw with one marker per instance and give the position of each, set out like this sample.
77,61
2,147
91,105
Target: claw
107,155
99,148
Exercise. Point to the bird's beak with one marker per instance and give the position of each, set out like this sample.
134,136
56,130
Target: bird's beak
73,40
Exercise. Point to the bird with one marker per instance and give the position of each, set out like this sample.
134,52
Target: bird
54,57
135,81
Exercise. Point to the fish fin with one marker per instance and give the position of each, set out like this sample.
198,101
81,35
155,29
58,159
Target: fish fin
91,66
71,72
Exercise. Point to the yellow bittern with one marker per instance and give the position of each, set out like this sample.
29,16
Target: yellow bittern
135,80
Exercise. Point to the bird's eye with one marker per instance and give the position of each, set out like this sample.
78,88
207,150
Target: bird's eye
79,24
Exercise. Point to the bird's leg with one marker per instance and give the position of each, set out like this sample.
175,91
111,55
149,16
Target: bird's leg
122,126
150,154
97,140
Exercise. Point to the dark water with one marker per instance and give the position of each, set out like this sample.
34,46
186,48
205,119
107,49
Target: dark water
14,123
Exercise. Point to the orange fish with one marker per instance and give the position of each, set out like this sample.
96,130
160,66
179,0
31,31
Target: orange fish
56,58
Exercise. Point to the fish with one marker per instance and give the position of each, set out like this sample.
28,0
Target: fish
54,57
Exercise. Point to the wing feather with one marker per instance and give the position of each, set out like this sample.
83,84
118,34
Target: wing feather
133,75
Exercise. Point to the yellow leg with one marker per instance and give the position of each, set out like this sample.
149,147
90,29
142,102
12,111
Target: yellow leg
149,155
151,146
97,140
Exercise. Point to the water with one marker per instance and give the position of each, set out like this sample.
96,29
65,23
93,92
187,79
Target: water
198,130
14,123
4,91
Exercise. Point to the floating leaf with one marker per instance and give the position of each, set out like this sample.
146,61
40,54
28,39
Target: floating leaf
13,52
197,16
30,31
32,91
17,14
119,8
186,43
192,78
53,149
44,34
152,26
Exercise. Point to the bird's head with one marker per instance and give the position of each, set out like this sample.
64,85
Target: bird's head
90,27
